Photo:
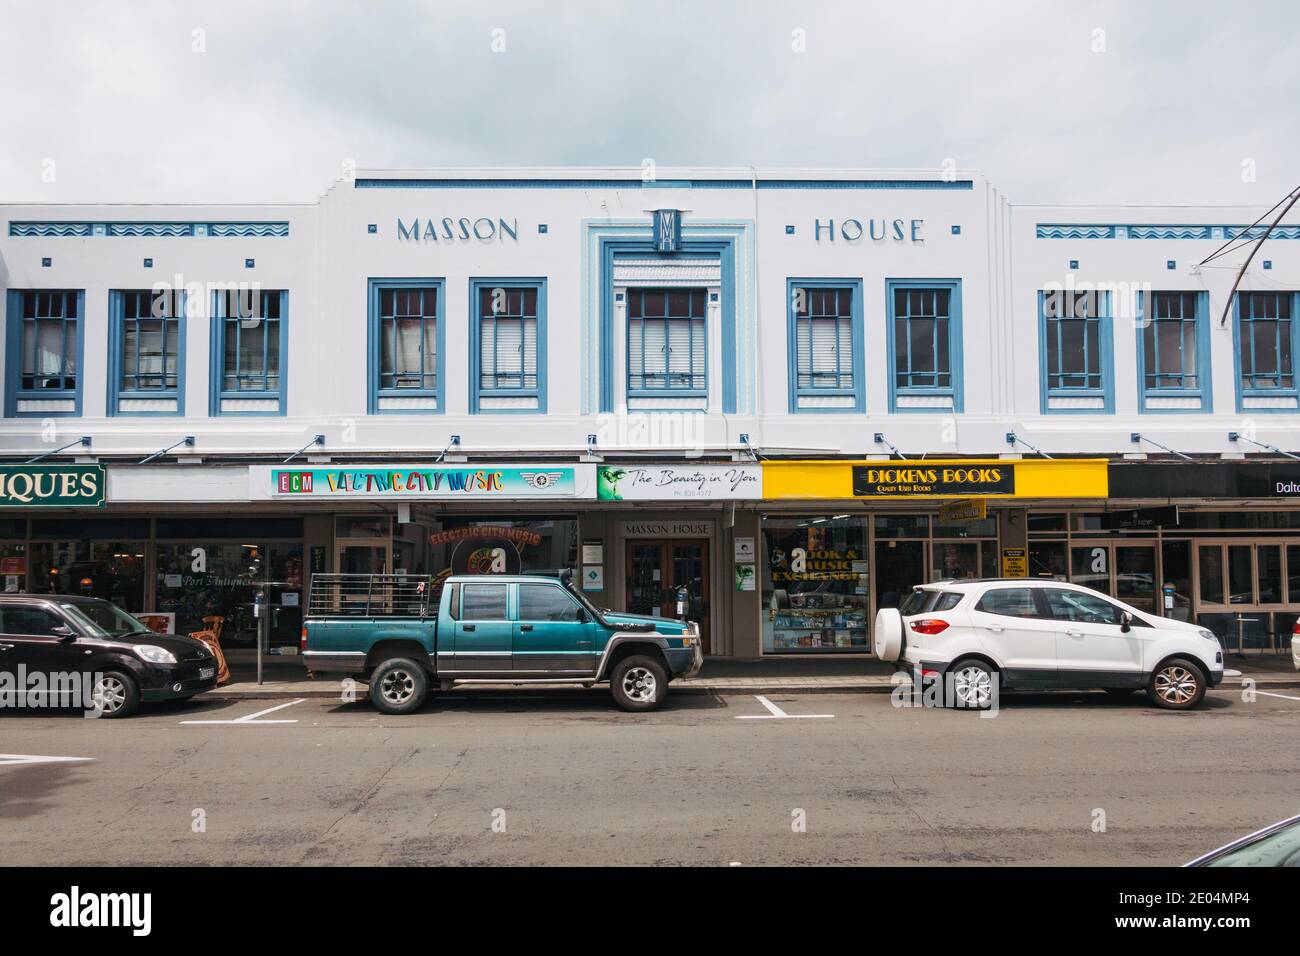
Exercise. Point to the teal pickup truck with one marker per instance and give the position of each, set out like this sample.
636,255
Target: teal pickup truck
406,634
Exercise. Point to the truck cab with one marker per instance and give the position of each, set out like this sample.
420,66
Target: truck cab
407,634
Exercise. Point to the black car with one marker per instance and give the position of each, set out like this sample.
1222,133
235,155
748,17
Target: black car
104,657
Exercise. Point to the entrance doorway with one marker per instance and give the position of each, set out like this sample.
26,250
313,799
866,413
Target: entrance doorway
657,568
1125,570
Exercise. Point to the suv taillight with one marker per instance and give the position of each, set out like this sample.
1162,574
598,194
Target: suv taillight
929,625
302,640
1295,629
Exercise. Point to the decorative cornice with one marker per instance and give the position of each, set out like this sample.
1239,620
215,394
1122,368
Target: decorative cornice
167,230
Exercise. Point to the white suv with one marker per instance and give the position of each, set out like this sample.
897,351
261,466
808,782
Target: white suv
1032,633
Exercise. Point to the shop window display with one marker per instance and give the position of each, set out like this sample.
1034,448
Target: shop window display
815,585
497,546
112,570
222,579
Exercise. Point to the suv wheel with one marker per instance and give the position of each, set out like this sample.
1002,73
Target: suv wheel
973,685
115,694
638,682
1177,684
399,686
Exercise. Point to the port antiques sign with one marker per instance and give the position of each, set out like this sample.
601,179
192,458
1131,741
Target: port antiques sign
51,486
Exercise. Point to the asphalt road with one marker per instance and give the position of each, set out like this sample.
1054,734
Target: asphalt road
563,777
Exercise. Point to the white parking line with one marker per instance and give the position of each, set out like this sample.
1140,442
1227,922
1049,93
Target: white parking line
1283,696
776,713
252,718
15,760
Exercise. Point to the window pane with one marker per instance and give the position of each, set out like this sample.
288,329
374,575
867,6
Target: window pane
1293,573
546,603
1268,558
1240,590
1010,602
483,602
1080,607
1210,560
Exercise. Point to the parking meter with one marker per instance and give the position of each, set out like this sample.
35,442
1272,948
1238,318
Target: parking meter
1168,591
681,603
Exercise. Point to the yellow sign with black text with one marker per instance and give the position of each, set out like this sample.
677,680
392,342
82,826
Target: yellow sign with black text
937,478
1015,564
971,509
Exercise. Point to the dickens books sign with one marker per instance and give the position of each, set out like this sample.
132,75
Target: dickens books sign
870,481
51,486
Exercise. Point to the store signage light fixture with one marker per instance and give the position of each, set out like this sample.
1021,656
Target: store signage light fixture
453,442
880,439
1136,437
316,440
187,441
83,441
1238,436
1013,439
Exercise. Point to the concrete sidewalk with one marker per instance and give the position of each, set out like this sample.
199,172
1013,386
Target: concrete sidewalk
286,677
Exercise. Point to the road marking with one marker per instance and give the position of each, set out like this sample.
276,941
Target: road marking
15,760
1283,696
252,718
776,713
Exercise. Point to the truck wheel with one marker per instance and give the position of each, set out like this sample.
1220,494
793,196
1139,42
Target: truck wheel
638,683
887,635
1177,685
115,694
399,686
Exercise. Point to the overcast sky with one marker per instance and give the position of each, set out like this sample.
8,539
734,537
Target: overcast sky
1055,101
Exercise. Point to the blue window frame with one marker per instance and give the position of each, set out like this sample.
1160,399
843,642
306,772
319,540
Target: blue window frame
667,342
248,350
508,345
825,345
406,342
1076,357
146,350
925,344
1265,339
43,351
1173,349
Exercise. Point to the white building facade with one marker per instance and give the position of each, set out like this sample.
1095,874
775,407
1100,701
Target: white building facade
721,380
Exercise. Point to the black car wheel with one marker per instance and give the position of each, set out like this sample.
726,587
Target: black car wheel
115,694
399,686
638,682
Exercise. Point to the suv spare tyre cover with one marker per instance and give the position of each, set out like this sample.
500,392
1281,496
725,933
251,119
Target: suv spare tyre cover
887,635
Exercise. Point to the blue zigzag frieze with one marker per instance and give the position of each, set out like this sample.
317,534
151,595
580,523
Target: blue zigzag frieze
163,230
1056,230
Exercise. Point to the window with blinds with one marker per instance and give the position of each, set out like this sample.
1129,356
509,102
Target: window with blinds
823,335
149,338
1171,359
667,341
408,339
48,340
507,336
